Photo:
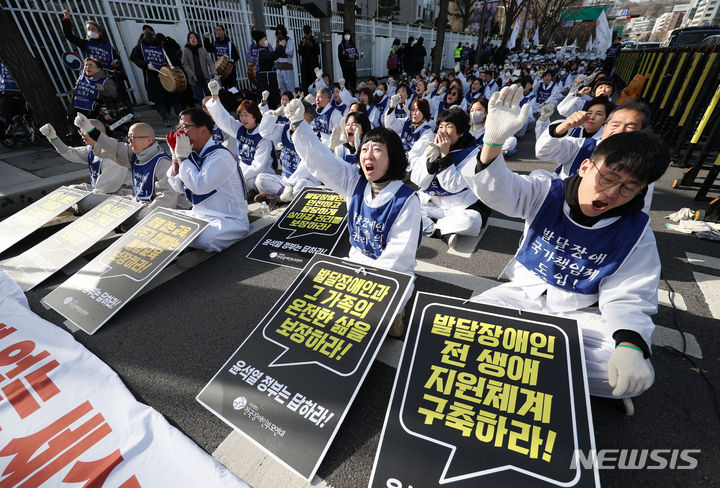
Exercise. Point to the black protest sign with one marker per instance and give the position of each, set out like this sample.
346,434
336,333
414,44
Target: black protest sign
32,217
312,224
39,262
100,289
486,396
291,382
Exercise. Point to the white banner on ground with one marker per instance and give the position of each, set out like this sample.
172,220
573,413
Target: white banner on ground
66,418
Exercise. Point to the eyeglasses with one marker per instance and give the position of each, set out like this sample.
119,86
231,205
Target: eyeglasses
608,180
184,126
133,138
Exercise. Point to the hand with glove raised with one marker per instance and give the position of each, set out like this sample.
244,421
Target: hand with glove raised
318,74
431,155
83,123
309,98
335,136
341,82
295,112
357,138
48,131
503,120
442,90
628,371
456,67
287,193
183,146
278,112
546,110
265,96
391,82
574,120
214,88
171,139
395,100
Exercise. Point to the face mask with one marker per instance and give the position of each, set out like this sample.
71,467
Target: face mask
563,73
346,37
380,93
93,34
477,117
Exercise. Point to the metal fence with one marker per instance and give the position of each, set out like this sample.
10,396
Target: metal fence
40,24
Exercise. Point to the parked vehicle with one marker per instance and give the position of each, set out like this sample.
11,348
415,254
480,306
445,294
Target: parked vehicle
691,36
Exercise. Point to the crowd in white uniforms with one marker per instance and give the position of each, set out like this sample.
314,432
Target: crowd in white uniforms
426,156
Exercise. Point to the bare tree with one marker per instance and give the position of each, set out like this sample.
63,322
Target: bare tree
463,10
29,74
547,15
513,9
437,50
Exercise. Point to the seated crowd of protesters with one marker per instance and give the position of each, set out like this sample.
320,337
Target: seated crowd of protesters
426,157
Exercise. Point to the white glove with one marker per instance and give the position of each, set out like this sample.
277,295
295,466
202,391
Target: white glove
546,110
432,152
214,88
358,138
278,112
441,90
431,86
265,96
343,134
341,82
182,147
151,67
503,119
318,73
589,79
309,98
335,137
395,100
295,111
457,67
682,214
361,85
286,195
48,131
391,81
475,67
628,372
83,123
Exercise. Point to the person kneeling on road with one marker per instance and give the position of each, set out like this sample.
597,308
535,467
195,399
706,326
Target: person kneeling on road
107,178
207,173
588,252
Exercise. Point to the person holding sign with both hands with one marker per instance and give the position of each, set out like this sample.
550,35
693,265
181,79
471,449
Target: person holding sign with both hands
588,252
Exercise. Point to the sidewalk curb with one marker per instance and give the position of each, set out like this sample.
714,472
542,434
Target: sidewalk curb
22,195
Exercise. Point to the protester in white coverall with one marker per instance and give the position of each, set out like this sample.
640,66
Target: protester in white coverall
383,213
107,178
147,161
255,154
588,252
208,175
295,176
